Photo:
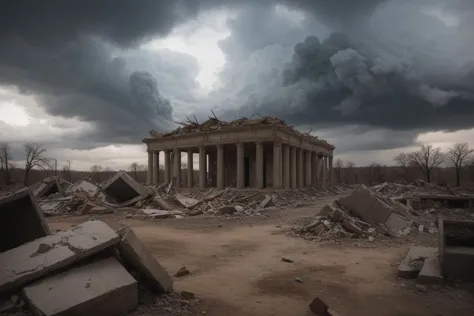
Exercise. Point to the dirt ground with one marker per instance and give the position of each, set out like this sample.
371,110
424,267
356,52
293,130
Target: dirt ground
237,269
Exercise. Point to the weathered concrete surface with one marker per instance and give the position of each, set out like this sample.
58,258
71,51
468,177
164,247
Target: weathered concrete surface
54,206
185,201
135,253
33,260
21,220
396,223
83,186
103,288
411,266
431,271
365,203
124,189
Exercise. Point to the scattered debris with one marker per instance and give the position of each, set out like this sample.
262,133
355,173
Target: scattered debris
287,260
183,271
299,280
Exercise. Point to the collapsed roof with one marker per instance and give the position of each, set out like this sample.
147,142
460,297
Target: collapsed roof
213,124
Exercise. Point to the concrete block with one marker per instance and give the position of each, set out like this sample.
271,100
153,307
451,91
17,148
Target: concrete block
83,186
456,247
24,264
21,220
124,189
396,223
48,186
367,205
411,266
185,201
267,201
102,288
136,254
431,271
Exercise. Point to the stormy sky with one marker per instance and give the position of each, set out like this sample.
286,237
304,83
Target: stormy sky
374,77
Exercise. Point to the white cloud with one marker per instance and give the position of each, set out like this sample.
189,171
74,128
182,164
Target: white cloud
200,38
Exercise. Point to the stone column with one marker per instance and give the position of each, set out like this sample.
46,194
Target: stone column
167,166
286,167
276,165
259,164
202,167
240,166
331,172
308,172
149,174
300,167
156,167
315,168
177,167
323,170
190,169
293,168
220,167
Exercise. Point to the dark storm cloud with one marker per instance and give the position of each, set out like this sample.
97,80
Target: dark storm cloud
406,75
68,54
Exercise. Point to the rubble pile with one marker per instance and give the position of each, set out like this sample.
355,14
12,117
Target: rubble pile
168,202
361,214
214,124
123,193
89,269
415,188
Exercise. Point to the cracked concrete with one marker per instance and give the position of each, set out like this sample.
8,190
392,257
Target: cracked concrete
31,261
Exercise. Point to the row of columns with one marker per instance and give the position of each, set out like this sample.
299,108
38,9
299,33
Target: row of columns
293,167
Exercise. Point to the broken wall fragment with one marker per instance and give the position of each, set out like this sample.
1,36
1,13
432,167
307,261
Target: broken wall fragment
124,189
21,220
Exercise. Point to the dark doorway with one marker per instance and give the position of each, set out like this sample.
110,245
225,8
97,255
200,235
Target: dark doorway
247,171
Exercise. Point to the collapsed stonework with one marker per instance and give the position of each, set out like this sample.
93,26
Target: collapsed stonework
258,153
88,269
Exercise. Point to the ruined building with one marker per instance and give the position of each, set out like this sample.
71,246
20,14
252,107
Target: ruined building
259,153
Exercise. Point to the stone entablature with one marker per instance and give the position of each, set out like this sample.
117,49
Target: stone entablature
240,135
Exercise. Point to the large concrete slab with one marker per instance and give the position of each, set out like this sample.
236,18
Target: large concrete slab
26,263
124,189
411,266
21,220
366,204
136,254
102,288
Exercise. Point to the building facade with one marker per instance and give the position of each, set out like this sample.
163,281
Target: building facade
244,156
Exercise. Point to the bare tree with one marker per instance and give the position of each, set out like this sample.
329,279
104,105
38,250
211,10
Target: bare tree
134,168
427,158
458,156
34,158
403,161
350,172
67,171
5,157
376,173
338,169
